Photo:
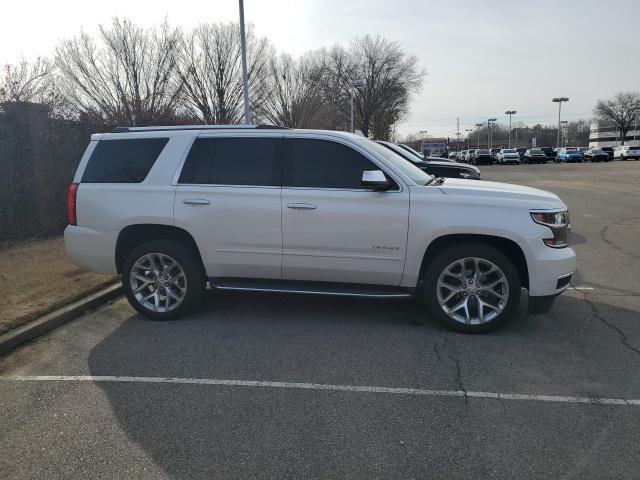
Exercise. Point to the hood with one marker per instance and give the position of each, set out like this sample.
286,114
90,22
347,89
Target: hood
480,189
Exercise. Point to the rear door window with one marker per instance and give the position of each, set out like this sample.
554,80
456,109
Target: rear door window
122,161
234,161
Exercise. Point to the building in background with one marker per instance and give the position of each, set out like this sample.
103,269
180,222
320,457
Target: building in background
434,147
601,135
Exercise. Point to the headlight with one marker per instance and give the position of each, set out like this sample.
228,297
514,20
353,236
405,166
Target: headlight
559,224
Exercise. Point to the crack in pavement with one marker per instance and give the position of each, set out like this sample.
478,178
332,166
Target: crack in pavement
597,314
459,379
609,242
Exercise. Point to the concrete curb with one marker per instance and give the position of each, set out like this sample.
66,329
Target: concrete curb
11,339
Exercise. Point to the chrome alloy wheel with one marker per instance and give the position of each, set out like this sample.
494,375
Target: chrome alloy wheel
158,282
472,291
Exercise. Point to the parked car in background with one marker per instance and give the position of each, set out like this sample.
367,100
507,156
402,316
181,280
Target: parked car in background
549,152
508,155
608,151
494,152
482,156
521,151
627,152
568,155
453,155
596,155
461,155
303,211
535,155
469,155
439,167
421,156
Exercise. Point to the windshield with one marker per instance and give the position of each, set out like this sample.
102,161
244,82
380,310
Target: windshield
401,162
506,150
482,152
411,150
535,150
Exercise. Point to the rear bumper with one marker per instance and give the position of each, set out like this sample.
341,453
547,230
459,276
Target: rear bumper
91,248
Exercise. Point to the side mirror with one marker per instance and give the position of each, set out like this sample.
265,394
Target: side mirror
375,180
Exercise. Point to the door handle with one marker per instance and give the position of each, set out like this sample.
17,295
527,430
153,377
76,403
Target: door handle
302,206
196,201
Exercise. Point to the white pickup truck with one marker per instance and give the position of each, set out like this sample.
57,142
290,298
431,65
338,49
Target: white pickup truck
177,209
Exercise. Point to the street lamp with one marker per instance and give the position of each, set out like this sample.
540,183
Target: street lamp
479,125
489,139
357,84
559,101
423,133
565,133
245,82
468,130
510,112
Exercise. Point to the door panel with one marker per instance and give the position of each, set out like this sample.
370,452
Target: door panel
350,236
239,230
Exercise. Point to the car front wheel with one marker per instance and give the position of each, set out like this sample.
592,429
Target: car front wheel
163,279
472,288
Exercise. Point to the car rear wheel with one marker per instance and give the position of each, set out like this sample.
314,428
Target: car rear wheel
163,279
471,288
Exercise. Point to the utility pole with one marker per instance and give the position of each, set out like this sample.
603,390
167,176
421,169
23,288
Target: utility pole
245,79
510,112
458,133
559,101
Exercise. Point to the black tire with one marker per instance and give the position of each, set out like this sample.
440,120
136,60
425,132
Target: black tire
449,255
186,258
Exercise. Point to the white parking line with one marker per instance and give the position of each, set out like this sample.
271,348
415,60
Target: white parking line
580,288
322,386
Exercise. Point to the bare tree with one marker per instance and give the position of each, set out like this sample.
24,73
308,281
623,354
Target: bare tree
621,111
294,99
128,79
391,78
27,81
210,70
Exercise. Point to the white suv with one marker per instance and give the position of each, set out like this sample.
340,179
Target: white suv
177,209
626,152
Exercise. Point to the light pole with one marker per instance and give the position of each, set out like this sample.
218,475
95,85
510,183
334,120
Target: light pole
357,84
468,130
565,133
510,112
479,125
489,139
559,101
245,82
423,133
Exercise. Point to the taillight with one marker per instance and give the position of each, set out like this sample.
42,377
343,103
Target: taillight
72,193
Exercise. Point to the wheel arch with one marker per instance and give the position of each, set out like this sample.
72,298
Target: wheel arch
505,245
134,235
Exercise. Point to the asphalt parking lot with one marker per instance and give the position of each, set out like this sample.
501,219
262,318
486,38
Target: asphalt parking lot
351,388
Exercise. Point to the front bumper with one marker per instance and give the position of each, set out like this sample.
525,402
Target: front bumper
541,305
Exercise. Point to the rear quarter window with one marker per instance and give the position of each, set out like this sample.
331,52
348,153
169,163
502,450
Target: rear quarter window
123,161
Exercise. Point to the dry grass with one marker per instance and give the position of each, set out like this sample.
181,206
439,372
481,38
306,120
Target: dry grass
37,277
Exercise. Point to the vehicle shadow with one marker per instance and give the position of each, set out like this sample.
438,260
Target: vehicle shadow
195,431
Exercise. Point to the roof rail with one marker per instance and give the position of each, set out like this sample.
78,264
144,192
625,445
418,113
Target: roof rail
195,127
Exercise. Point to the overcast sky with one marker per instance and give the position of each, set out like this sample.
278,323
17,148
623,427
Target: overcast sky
481,57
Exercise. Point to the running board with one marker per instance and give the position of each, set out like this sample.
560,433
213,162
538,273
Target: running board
310,288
